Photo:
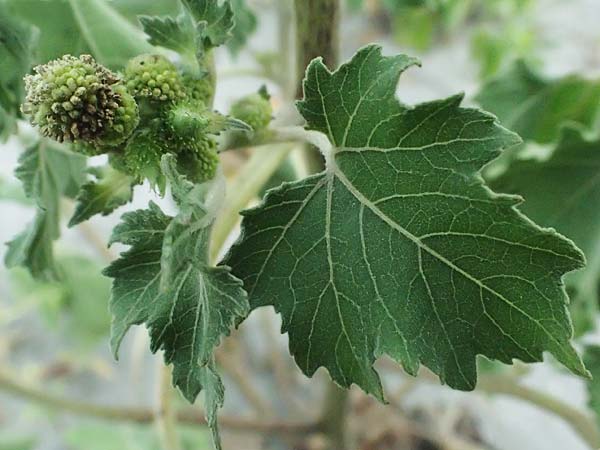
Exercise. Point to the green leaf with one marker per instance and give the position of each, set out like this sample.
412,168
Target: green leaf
174,34
398,247
59,32
47,172
110,190
165,281
559,192
17,43
245,24
98,19
213,21
535,107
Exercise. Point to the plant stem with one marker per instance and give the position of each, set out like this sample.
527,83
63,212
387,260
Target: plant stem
246,186
333,416
581,423
166,419
189,415
317,24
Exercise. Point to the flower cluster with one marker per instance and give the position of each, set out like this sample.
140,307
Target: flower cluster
77,100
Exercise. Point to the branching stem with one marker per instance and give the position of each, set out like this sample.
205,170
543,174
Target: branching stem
11,385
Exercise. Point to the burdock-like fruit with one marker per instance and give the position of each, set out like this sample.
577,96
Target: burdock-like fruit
77,100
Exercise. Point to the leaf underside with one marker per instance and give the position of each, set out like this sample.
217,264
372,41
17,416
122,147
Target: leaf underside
47,171
398,247
165,282
110,190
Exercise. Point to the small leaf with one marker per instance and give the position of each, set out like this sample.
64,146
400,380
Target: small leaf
558,192
165,281
174,34
47,172
398,247
213,20
535,107
245,25
110,190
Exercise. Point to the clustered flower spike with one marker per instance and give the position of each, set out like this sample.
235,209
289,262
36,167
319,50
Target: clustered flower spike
154,77
78,100
198,89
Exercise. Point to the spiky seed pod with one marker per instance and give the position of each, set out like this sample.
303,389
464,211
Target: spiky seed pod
126,117
155,78
78,100
142,156
255,110
199,90
188,118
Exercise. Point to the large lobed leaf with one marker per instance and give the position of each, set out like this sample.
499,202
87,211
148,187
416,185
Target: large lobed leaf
559,192
164,280
47,171
398,247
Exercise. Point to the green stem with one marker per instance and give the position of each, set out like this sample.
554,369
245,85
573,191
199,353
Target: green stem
13,386
166,420
246,186
581,423
333,416
317,25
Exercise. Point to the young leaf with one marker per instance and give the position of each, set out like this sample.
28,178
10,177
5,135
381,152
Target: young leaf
398,247
110,190
535,107
173,34
165,281
558,193
214,21
47,172
245,25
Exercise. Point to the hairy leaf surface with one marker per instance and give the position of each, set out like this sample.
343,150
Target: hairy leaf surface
173,33
213,20
110,190
245,24
398,247
559,192
47,171
165,281
536,107
17,43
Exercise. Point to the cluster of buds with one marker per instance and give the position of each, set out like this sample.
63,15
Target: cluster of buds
77,100
155,78
254,109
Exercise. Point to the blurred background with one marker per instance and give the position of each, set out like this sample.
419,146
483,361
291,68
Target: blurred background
60,387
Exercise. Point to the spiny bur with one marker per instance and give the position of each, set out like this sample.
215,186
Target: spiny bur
75,99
